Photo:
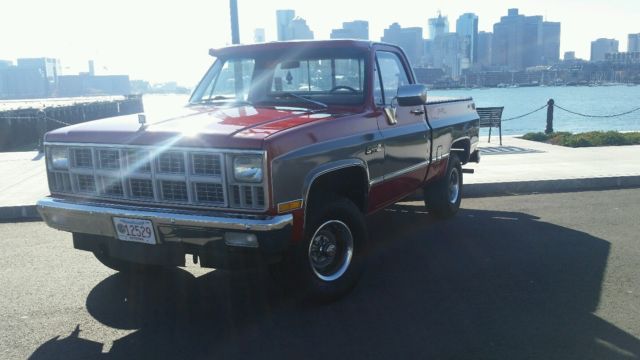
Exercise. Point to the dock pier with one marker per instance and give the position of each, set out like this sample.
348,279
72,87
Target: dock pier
23,123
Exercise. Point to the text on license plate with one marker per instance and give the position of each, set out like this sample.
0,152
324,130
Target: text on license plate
136,230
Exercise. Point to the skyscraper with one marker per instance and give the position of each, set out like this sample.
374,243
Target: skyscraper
358,29
448,54
550,42
634,43
569,55
601,47
485,41
467,28
438,26
292,27
522,41
283,18
409,39
299,30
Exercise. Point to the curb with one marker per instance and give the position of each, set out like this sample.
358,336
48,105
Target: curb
19,213
550,186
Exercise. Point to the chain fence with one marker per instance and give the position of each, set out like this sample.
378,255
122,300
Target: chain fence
555,105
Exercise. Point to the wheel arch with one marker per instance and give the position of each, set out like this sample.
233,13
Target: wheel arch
462,148
347,178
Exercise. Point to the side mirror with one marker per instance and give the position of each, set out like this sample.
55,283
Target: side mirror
412,95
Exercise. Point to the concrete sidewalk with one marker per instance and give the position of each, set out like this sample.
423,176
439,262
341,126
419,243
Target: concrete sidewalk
23,180
517,167
521,166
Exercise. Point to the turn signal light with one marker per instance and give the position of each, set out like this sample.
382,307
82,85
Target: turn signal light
288,206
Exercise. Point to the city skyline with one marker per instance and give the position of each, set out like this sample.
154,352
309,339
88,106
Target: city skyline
170,41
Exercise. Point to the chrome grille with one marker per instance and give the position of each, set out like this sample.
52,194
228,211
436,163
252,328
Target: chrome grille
247,196
141,188
183,177
174,190
82,158
138,161
86,183
112,186
209,193
109,159
60,182
171,163
206,164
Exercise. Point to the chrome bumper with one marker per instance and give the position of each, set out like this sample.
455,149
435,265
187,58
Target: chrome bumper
96,218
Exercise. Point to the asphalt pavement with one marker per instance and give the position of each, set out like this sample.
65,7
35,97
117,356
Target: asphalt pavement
551,276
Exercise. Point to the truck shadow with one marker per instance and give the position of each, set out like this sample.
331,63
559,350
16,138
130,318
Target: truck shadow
486,284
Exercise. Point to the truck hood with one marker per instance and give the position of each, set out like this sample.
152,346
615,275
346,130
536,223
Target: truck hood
205,126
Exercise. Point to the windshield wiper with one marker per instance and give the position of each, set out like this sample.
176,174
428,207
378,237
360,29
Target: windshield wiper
222,99
300,97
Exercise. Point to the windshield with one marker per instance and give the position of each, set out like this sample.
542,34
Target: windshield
306,80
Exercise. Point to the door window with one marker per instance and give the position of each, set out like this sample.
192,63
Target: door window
393,75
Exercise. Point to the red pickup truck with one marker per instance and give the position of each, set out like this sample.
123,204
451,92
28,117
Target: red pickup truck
282,151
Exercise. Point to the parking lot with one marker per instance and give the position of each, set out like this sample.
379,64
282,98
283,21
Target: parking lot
551,276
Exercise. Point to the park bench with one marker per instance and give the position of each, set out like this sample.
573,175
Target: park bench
491,117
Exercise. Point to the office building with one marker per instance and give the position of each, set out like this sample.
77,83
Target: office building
521,41
258,35
569,56
601,47
438,26
409,39
485,41
467,27
292,27
623,58
634,43
550,43
48,67
358,29
299,30
283,18
449,54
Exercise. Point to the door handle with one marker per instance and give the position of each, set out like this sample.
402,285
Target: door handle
373,149
417,111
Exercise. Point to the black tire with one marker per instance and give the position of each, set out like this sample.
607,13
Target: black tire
320,267
443,197
124,266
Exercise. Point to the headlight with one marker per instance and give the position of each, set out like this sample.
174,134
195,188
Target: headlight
59,158
247,168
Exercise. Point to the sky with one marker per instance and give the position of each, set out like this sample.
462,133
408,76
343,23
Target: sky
163,41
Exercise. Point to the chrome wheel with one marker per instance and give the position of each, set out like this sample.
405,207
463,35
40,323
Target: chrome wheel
331,250
454,186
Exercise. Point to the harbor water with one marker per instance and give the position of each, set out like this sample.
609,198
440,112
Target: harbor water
601,100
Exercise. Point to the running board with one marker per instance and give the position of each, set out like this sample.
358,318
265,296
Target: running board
468,171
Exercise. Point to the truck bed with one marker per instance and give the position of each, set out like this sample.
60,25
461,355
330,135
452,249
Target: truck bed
433,100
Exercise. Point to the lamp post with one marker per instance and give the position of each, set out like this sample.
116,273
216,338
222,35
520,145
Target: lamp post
235,28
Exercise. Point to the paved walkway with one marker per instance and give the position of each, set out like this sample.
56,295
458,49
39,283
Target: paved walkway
23,180
521,166
516,167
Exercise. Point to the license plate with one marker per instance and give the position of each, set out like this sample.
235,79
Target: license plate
135,230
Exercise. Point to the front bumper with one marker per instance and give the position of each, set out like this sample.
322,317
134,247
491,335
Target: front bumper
178,233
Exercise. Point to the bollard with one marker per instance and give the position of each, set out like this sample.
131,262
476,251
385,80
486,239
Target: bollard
42,125
549,128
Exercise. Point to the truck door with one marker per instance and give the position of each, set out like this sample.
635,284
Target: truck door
404,129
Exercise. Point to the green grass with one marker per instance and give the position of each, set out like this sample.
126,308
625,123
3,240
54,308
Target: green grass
588,139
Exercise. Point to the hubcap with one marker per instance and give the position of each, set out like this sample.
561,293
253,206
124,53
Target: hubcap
331,250
454,186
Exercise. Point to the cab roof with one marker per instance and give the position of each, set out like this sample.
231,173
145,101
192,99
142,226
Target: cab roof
283,45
